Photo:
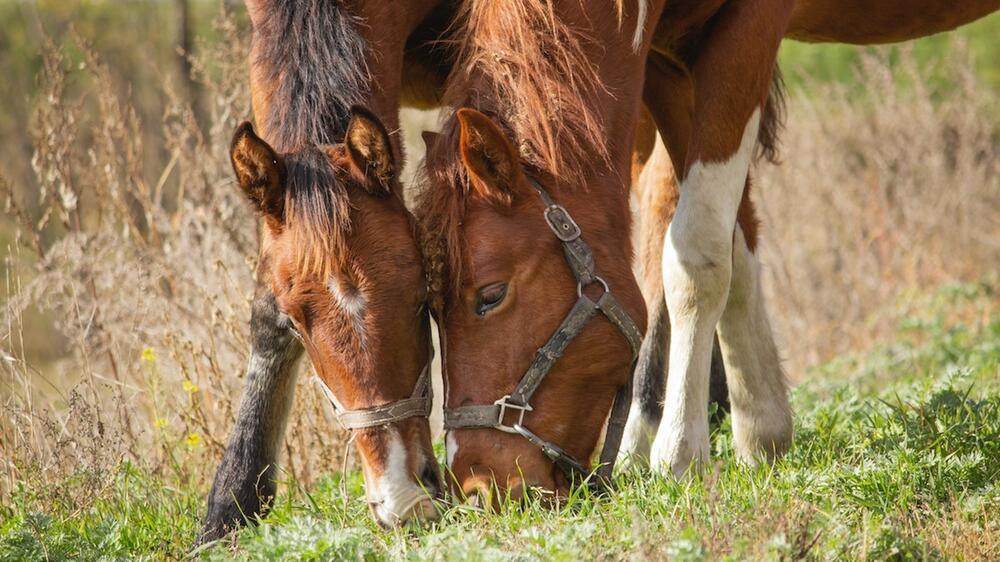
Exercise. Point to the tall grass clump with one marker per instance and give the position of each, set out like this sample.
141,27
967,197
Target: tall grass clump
889,188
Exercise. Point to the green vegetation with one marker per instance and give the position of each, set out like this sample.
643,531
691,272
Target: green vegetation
897,455
838,63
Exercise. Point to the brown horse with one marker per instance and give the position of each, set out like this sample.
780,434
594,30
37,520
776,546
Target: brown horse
551,94
526,211
709,91
339,264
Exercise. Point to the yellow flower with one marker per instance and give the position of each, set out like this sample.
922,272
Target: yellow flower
189,387
193,440
149,355
160,423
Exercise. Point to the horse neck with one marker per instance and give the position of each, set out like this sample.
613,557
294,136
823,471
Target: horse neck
350,63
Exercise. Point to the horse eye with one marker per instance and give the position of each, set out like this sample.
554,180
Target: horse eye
489,297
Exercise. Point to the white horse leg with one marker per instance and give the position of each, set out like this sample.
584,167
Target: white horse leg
762,419
697,269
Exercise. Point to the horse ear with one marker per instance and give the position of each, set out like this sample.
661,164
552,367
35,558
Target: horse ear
369,149
490,158
259,170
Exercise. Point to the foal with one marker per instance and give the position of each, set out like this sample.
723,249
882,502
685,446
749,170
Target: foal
347,276
310,61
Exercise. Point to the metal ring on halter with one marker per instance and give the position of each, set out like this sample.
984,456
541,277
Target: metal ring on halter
504,406
597,279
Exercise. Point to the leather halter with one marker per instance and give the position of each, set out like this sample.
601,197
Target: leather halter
580,259
418,404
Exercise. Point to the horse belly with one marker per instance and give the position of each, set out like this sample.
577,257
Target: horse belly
865,22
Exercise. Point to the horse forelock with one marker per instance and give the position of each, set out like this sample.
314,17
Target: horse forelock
530,70
313,57
317,212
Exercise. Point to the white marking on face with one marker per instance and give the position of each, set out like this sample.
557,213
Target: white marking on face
697,268
351,300
395,495
450,447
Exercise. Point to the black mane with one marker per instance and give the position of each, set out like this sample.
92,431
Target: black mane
314,54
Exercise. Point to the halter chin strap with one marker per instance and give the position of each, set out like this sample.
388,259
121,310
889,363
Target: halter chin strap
514,405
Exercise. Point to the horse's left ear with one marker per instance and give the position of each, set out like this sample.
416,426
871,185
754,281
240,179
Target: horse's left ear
369,150
259,172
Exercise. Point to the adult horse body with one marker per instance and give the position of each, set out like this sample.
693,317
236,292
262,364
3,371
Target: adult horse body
707,89
340,272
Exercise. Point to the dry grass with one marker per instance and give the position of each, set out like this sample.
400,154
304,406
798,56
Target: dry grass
885,192
141,279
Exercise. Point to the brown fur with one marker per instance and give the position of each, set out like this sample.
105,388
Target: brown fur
336,208
534,70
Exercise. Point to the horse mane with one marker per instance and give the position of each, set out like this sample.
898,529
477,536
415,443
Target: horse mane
317,210
313,54
518,59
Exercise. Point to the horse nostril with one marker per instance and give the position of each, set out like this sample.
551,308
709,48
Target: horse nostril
478,492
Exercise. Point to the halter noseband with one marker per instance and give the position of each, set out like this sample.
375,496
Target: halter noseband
580,259
418,404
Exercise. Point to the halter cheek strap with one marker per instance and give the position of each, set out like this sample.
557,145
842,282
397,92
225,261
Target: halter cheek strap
513,406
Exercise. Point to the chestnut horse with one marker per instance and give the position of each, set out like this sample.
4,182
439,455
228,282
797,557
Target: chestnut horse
709,91
549,98
340,271
527,223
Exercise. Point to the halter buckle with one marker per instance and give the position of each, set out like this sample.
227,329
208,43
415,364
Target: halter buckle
504,406
561,223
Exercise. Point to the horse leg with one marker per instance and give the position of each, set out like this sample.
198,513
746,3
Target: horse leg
762,418
732,74
657,191
244,483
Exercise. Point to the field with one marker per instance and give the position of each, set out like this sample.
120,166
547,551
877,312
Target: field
128,269
896,457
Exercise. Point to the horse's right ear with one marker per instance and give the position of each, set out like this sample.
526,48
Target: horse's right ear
493,164
260,172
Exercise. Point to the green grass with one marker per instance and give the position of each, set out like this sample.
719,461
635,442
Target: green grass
897,455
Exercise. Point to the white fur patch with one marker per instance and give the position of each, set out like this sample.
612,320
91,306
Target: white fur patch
351,300
395,493
640,24
762,419
697,266
637,438
450,447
